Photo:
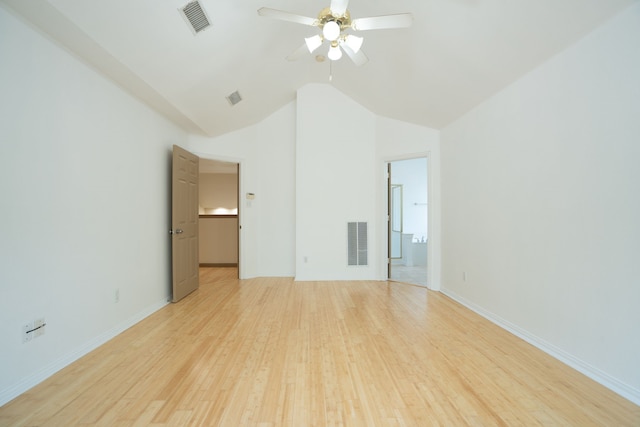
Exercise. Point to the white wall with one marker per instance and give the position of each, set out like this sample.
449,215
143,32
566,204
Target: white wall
84,203
275,170
335,183
341,156
266,153
541,205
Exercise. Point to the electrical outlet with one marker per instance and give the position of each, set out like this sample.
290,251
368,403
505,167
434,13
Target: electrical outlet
116,296
27,334
464,276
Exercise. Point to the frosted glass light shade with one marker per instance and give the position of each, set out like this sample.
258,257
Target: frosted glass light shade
335,53
353,42
313,43
331,31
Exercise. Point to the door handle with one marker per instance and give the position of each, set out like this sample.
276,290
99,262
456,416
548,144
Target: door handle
176,231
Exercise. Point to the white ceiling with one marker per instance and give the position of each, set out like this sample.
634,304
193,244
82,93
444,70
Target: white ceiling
456,54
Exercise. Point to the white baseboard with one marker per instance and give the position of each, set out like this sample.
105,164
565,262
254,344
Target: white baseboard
36,378
590,371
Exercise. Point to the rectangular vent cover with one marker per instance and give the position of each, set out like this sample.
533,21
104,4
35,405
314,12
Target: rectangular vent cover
357,243
195,16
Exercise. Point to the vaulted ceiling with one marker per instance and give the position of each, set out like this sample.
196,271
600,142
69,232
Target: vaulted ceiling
456,54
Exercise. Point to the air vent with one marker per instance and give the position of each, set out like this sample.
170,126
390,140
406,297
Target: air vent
357,243
196,17
234,98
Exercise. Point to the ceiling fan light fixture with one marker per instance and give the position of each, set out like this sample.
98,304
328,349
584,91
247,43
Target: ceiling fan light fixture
335,53
313,42
353,42
331,30
334,22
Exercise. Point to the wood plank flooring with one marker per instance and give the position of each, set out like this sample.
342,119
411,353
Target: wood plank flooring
273,352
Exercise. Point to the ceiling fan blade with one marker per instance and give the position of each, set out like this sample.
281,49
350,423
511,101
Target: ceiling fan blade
286,16
339,7
358,58
298,53
401,20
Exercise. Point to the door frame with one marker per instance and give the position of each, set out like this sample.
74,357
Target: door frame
433,217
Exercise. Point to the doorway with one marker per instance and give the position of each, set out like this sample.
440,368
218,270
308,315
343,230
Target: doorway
219,240
408,232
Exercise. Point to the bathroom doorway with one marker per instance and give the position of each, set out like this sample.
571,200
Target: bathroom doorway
408,232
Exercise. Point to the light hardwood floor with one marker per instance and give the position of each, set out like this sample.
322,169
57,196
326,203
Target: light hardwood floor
271,352
415,275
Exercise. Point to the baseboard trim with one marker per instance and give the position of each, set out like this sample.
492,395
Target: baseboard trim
36,378
612,383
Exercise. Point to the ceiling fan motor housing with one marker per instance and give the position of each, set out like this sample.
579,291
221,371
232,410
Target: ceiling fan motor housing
325,15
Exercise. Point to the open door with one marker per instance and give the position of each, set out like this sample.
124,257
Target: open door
394,218
184,223
389,236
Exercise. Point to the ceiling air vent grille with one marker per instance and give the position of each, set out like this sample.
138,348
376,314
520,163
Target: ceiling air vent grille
195,16
234,98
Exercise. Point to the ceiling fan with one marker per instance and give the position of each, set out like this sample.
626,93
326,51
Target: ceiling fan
334,23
